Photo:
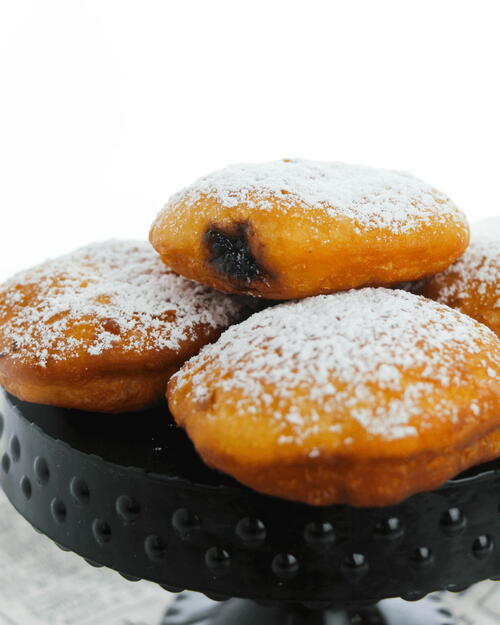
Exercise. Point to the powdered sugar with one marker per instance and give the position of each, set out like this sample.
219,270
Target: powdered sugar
342,352
479,266
373,198
113,287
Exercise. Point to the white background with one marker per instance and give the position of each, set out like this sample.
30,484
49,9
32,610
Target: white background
107,107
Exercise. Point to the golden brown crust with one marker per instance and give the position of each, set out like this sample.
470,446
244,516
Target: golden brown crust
279,247
104,328
472,284
114,393
358,482
418,409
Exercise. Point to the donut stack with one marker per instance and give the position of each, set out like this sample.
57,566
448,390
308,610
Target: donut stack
354,390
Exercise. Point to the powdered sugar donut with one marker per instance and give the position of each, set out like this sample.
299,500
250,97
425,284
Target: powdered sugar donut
472,284
296,228
362,397
104,327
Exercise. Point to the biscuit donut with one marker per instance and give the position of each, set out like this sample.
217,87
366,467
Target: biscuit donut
295,228
472,284
362,397
104,327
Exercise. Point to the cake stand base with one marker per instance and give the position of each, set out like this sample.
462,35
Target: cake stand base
191,608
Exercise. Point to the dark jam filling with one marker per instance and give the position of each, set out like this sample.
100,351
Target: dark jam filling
230,255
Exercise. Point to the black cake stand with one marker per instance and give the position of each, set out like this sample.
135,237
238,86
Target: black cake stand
130,493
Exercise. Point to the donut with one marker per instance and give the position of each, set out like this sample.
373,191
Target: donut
472,284
104,327
296,228
362,397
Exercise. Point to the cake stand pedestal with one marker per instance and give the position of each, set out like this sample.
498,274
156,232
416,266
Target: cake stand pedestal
129,492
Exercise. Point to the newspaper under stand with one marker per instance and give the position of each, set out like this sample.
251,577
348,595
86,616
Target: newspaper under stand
129,492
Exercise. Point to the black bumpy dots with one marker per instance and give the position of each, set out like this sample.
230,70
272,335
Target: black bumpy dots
100,488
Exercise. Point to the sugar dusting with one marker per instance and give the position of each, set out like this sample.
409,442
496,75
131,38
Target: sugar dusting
116,288
373,198
363,340
479,266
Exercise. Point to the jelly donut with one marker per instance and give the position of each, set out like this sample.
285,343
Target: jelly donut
294,228
472,284
363,398
104,327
